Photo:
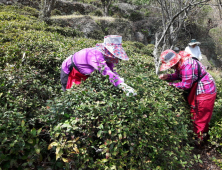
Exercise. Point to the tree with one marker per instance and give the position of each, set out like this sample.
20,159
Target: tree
46,8
173,15
106,4
219,7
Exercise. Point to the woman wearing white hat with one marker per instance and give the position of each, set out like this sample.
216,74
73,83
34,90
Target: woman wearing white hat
194,49
103,57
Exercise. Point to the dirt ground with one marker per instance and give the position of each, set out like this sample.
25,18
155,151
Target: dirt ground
207,152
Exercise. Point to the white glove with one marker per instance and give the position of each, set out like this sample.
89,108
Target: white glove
127,89
122,79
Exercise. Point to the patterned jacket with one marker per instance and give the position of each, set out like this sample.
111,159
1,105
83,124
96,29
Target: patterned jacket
188,74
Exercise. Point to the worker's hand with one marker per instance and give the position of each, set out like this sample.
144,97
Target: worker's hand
163,76
127,89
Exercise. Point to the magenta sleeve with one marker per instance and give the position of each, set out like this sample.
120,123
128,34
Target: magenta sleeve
173,76
98,62
186,73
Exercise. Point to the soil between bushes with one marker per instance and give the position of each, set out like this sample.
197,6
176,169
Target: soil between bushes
207,152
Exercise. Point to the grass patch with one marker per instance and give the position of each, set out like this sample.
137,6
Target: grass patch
96,18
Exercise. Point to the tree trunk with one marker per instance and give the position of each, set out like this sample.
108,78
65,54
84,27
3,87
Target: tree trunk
46,8
219,7
155,53
106,12
106,5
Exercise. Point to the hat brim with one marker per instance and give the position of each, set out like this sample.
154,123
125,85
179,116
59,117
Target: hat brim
101,48
193,43
118,52
166,66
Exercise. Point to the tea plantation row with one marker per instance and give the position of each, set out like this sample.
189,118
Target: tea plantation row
91,126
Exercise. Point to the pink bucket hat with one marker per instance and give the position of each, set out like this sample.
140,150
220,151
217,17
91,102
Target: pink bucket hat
169,58
112,47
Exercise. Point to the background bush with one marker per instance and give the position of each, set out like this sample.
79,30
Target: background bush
216,123
135,16
96,13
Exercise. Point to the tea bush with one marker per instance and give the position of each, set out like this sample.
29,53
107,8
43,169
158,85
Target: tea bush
113,131
216,123
30,63
19,9
93,125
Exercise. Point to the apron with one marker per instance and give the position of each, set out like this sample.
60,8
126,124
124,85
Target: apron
75,77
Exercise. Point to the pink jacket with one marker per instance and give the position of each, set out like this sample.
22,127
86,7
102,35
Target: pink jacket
90,59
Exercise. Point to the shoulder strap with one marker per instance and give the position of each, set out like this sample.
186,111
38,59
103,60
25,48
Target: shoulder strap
73,65
199,70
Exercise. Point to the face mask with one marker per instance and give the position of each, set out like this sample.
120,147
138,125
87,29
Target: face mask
111,60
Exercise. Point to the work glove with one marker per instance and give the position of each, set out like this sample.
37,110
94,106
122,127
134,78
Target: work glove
122,79
127,89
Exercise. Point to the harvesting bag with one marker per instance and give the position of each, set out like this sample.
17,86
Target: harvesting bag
75,76
192,95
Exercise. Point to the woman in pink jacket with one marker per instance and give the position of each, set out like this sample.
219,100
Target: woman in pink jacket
78,67
201,86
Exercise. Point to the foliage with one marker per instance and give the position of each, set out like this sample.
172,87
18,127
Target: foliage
147,14
66,31
93,125
216,33
56,12
115,130
30,62
96,13
148,50
96,34
141,2
19,9
88,1
77,13
116,12
138,45
135,16
117,15
141,48
216,123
